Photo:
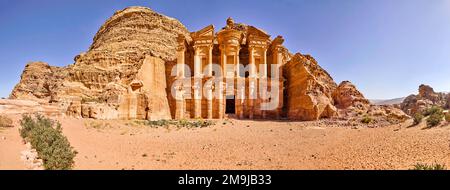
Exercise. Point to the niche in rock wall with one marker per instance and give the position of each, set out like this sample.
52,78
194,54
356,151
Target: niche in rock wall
136,86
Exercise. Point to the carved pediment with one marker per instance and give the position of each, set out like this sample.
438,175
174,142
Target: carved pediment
207,32
257,33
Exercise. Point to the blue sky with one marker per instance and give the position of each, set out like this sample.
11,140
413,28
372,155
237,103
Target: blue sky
386,47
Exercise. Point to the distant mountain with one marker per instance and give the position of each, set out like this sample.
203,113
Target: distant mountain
387,101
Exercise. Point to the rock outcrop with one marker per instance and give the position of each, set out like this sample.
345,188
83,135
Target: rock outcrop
426,98
385,115
19,107
309,89
349,100
131,34
38,82
122,74
352,105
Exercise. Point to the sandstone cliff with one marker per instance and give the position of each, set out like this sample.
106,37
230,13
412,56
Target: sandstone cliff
309,89
107,81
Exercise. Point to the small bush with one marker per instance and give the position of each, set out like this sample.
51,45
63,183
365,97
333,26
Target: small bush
97,125
432,110
194,124
159,123
183,123
51,145
429,167
366,120
435,118
418,117
202,123
5,121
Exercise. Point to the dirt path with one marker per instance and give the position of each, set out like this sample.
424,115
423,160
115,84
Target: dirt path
10,147
255,145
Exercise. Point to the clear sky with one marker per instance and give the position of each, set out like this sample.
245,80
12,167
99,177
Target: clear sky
386,47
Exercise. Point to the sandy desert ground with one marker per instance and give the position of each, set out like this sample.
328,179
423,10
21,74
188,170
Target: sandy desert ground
242,144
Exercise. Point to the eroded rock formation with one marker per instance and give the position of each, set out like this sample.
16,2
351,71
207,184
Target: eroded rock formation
426,98
38,82
309,89
349,100
386,114
108,81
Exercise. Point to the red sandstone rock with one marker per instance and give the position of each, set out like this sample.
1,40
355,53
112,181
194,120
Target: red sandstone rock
425,99
346,95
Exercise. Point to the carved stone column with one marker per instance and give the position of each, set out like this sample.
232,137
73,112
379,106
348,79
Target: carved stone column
264,100
279,77
277,51
251,60
264,71
236,58
251,82
180,63
240,101
197,63
220,100
209,98
223,59
210,60
239,86
251,96
197,98
179,103
264,75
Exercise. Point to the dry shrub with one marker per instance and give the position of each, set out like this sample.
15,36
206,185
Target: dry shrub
6,121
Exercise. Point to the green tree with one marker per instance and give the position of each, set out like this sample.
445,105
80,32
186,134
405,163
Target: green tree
51,145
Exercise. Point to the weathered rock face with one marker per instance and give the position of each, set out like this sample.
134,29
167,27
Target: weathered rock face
131,34
309,89
122,74
425,99
38,81
348,99
19,107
